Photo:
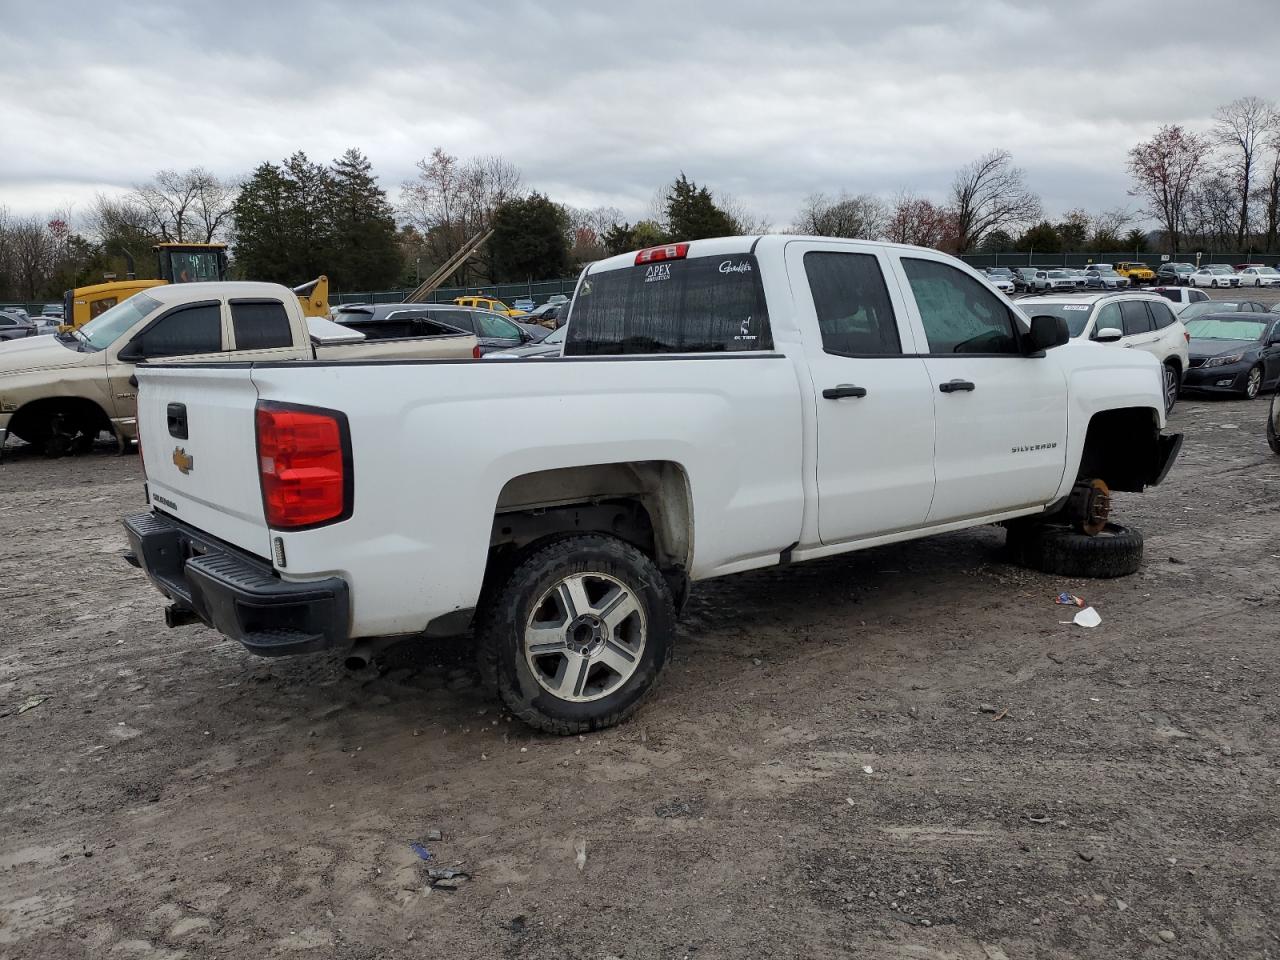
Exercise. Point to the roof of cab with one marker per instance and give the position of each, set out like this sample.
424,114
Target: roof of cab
219,290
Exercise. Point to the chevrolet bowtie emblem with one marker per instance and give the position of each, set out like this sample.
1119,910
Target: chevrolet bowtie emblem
183,460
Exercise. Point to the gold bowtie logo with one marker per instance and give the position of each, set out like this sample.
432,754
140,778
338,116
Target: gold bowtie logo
183,460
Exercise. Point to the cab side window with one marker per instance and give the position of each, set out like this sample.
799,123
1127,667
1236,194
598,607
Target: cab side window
855,314
260,324
184,332
960,314
1133,314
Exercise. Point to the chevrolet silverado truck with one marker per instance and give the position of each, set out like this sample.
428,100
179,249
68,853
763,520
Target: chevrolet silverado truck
720,406
58,393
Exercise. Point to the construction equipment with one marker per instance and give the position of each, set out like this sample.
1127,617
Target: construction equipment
175,263
451,266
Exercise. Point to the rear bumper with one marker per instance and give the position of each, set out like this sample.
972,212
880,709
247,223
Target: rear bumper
235,593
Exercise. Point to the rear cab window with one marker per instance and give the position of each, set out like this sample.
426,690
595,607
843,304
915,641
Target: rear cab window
710,304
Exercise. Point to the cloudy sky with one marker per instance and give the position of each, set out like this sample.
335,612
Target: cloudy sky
602,102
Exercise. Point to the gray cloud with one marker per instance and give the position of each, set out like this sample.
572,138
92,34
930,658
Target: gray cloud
602,102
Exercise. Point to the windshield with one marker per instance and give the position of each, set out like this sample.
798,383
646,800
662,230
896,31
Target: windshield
107,327
1058,275
1076,314
1213,328
1219,268
1107,273
1206,307
1267,271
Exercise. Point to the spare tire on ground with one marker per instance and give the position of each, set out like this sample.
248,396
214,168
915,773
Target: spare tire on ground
1115,552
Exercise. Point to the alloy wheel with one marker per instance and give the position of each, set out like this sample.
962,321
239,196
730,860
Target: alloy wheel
584,637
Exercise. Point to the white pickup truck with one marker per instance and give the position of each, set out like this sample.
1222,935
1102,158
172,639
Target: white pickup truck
721,406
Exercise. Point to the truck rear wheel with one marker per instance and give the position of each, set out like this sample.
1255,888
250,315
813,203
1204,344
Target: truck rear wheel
1114,552
577,634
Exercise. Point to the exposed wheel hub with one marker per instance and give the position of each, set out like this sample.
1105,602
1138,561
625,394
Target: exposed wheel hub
1089,506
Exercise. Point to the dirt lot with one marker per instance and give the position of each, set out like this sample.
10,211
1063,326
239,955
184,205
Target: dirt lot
898,754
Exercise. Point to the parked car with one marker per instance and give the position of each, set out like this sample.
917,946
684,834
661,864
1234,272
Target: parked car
61,392
1240,267
494,331
1273,425
51,310
1046,280
1102,277
1137,273
1001,282
490,304
46,325
558,298
1178,274
1206,307
524,305
816,396
1181,296
1024,278
15,327
1079,276
551,346
1139,320
551,315
1235,353
1215,275
1259,276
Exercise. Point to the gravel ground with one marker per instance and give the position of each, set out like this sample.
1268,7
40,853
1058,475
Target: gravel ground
902,753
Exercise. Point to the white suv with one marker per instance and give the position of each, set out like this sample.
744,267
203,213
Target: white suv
1141,320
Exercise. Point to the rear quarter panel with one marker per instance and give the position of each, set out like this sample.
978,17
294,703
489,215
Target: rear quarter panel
434,444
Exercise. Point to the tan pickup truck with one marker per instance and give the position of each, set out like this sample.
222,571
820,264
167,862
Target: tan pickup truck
60,392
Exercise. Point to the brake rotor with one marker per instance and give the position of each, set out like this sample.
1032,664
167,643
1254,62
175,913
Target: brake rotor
1096,507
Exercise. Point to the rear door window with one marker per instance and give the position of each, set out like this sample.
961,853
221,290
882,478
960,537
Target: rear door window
701,305
1133,313
496,327
462,319
1161,314
855,314
260,324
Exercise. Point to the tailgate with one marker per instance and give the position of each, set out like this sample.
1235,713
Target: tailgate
196,425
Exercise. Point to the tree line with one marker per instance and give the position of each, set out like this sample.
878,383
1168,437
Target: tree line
1217,189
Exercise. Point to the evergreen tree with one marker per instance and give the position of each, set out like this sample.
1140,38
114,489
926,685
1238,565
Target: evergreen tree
262,244
528,241
365,253
308,218
692,213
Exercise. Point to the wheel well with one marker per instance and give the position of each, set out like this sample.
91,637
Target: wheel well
1175,363
1122,448
646,503
29,422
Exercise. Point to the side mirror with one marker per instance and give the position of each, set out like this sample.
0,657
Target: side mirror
131,352
1108,335
1048,332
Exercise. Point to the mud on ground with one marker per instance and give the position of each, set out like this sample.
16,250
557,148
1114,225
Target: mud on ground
898,754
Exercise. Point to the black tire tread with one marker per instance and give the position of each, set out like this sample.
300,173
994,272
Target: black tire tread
1064,552
499,609
1273,441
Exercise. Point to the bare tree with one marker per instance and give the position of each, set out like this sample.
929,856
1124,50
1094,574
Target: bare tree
746,220
1268,194
31,253
1164,170
451,200
1243,126
918,221
990,194
189,207
1211,211
860,217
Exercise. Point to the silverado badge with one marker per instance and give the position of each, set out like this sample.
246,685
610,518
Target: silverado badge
183,460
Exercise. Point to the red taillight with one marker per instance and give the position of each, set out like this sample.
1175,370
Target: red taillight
475,352
672,251
304,462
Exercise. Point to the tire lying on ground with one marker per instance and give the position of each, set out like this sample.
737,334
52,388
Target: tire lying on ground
577,633
1115,552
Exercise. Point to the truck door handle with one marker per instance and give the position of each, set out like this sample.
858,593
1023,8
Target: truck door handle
843,390
176,414
951,386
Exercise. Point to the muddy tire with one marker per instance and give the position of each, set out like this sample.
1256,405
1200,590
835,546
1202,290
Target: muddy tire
576,634
1115,552
1273,441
